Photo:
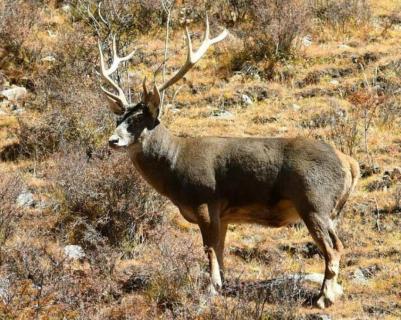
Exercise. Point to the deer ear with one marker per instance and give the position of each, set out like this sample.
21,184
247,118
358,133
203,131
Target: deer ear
152,100
115,106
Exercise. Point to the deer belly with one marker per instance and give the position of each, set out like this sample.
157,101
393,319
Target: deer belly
282,214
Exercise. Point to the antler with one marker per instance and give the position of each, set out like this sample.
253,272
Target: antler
192,57
119,98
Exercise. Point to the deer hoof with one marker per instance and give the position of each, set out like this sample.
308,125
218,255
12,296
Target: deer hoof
323,302
212,290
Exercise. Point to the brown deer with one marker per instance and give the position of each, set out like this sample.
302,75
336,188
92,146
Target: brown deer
215,181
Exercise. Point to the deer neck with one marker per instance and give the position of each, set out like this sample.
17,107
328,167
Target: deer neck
155,157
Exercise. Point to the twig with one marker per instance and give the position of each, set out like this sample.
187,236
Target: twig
377,214
167,7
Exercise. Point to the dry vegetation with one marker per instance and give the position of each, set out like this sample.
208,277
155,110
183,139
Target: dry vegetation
320,68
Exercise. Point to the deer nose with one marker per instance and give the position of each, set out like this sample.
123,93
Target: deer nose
113,142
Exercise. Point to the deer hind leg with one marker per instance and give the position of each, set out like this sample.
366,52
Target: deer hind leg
209,224
322,231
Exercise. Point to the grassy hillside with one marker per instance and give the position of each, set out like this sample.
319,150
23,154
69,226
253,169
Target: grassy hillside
338,79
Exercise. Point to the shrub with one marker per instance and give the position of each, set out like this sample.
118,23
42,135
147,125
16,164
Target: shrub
125,18
103,198
272,30
339,13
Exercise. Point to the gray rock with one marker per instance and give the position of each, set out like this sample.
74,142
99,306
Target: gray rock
223,115
314,277
309,277
74,252
4,289
307,40
25,199
15,93
16,109
335,82
359,277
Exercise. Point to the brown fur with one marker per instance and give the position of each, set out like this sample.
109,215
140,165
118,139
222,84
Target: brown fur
215,181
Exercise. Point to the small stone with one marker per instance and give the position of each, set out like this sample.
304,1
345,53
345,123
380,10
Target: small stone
344,46
74,252
295,107
14,93
359,277
246,100
16,109
223,115
307,40
49,59
25,199
66,8
335,82
318,316
4,289
314,277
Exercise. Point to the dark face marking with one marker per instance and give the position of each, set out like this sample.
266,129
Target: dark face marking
131,124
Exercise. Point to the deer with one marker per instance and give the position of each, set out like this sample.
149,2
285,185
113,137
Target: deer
217,181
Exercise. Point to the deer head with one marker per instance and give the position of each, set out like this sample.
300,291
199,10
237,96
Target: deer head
136,120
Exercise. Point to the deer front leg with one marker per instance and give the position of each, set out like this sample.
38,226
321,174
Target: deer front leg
209,224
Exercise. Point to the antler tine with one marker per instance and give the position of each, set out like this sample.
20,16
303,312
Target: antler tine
193,58
106,72
100,14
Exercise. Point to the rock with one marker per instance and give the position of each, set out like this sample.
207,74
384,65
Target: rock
343,46
4,289
295,107
335,82
318,316
307,40
314,277
74,252
370,271
16,109
223,115
246,100
66,8
25,199
359,277
15,93
49,58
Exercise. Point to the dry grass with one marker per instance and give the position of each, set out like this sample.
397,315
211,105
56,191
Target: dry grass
143,261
